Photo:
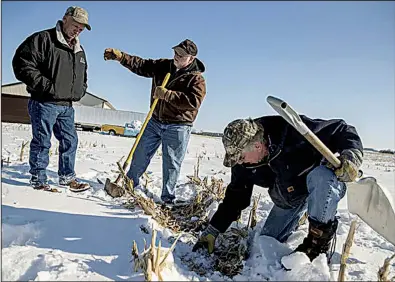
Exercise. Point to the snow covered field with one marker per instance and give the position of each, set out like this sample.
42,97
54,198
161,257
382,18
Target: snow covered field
89,235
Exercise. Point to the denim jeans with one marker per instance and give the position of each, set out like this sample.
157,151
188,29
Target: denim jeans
325,192
174,139
46,118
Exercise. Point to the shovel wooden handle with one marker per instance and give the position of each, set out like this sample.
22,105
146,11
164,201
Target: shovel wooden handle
317,143
294,119
149,115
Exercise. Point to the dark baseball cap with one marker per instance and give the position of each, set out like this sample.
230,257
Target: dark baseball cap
78,14
186,47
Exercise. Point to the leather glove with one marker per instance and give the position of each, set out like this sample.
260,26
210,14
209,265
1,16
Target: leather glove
351,160
162,93
112,54
207,239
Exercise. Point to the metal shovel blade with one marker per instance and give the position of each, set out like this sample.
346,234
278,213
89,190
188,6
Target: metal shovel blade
373,204
113,189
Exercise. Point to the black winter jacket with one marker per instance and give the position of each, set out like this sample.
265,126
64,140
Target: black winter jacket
52,71
291,158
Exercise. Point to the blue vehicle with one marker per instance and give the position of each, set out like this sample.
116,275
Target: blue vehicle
128,130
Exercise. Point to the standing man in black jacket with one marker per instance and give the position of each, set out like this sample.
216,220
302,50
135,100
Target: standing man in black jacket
268,152
53,65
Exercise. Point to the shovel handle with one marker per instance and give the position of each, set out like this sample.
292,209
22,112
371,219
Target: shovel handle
149,115
317,143
292,117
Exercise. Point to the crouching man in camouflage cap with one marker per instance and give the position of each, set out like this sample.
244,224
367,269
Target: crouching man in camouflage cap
268,152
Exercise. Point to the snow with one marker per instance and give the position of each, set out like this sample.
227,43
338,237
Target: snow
89,236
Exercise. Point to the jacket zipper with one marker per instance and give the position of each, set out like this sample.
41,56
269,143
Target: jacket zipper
72,82
277,188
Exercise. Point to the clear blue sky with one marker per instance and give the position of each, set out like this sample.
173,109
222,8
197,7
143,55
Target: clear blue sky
326,59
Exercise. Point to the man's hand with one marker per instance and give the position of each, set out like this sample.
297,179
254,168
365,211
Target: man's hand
205,242
112,54
350,160
207,239
162,93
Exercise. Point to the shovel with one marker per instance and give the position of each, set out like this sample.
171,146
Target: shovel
113,189
365,197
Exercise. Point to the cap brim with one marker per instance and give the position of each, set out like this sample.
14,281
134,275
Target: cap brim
180,51
231,160
88,27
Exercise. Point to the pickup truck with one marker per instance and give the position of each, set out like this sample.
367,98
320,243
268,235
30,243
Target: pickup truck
128,130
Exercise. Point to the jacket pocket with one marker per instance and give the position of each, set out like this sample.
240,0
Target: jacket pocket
278,199
61,91
79,92
52,90
79,85
288,195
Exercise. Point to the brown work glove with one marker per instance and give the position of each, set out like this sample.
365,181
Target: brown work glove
112,54
351,160
162,93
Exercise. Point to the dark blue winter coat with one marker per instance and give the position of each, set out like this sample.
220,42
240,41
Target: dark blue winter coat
291,158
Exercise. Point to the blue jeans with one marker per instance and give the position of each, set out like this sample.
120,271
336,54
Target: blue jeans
174,139
46,118
325,192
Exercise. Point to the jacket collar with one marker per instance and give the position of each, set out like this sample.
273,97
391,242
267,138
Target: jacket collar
274,149
61,39
196,66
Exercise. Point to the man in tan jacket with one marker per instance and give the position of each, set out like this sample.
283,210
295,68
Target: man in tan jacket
173,117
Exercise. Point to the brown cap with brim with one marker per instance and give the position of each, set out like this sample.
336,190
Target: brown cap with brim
186,47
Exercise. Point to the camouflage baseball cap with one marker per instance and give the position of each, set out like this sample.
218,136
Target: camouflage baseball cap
78,14
237,135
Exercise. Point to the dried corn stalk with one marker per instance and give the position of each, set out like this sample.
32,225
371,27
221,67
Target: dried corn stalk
186,218
231,249
346,250
151,260
22,150
197,209
385,269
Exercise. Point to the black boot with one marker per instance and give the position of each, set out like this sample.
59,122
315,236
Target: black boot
319,239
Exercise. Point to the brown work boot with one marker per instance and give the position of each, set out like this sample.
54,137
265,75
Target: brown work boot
76,186
319,239
45,187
